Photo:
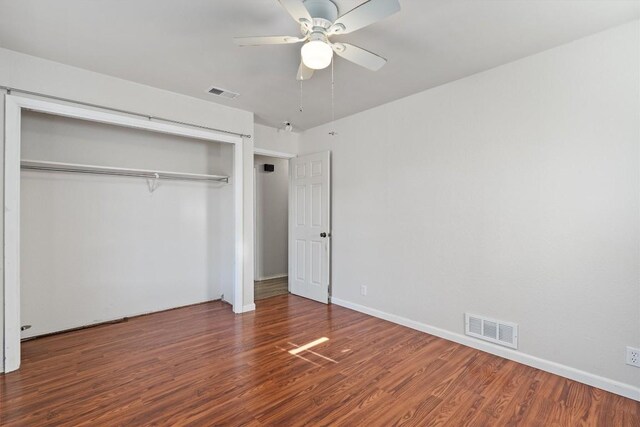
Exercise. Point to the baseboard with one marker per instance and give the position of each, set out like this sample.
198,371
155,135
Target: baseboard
247,308
276,276
117,320
622,389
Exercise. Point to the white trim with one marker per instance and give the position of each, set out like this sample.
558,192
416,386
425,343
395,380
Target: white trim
238,197
85,113
11,262
275,276
271,153
11,235
247,308
256,238
108,320
290,227
622,389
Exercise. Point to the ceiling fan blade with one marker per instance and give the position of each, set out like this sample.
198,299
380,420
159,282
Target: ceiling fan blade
298,11
365,14
359,56
259,41
304,72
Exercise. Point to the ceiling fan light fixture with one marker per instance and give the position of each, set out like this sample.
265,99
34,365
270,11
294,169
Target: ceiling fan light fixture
319,20
316,54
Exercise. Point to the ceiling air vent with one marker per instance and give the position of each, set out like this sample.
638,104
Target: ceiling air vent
223,92
495,331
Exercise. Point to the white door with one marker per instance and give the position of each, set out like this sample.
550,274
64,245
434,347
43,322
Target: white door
310,226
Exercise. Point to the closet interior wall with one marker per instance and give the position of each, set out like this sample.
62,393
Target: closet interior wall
99,248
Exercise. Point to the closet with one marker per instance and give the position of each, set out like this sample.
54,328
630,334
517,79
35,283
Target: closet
117,222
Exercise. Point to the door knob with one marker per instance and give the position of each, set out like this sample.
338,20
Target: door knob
323,234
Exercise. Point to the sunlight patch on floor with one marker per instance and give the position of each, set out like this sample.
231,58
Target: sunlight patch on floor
308,345
307,348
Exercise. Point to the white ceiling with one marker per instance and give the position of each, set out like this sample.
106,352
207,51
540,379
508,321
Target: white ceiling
186,46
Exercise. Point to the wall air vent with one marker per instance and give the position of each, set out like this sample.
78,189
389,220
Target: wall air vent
495,331
223,92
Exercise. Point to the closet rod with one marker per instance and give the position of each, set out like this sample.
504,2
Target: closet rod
117,110
108,170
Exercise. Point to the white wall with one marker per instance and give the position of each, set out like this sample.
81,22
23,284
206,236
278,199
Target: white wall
272,216
36,74
272,139
513,193
98,248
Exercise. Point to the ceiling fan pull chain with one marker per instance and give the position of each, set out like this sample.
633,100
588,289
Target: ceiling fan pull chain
301,108
333,113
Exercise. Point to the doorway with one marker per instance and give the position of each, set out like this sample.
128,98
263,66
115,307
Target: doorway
271,217
306,235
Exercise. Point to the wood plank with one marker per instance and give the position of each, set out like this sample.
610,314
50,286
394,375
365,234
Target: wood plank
204,365
271,288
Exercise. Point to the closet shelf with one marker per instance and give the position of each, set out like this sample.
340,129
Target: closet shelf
39,165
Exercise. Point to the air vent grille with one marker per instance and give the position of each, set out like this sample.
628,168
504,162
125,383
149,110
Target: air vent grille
475,325
506,333
223,92
495,331
490,329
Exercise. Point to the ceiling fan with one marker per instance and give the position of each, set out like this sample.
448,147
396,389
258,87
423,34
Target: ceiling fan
318,21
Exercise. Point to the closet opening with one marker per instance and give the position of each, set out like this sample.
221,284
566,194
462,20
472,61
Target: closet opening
109,217
119,222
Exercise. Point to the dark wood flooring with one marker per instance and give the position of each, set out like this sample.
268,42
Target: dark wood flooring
203,365
270,288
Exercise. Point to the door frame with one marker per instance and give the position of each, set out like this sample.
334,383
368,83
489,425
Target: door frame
11,185
269,153
256,258
272,153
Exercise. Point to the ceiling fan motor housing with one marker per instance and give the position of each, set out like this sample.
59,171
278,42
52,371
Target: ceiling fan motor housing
318,36
322,9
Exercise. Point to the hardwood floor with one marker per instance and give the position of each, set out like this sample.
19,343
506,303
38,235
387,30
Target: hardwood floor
203,365
270,288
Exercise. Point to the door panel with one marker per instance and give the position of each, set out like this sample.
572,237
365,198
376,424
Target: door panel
300,260
300,205
316,205
309,226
